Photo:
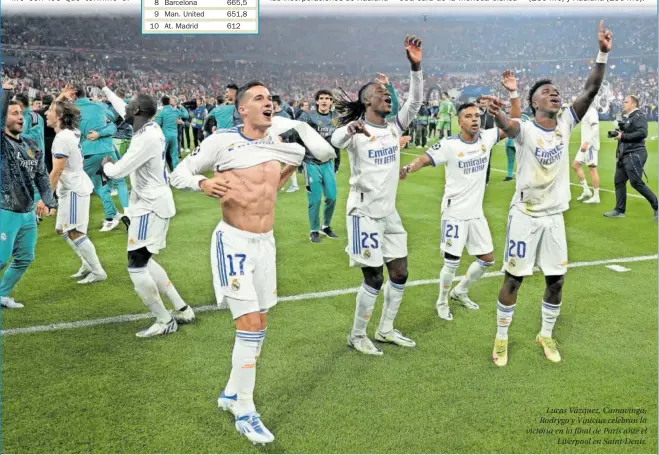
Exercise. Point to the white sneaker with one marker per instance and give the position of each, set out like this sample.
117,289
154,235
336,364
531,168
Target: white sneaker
592,200
251,426
443,311
94,278
82,272
394,337
159,328
109,225
363,345
584,195
228,403
292,189
464,300
9,302
183,317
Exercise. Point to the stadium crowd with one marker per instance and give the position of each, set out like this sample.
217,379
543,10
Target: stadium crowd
39,59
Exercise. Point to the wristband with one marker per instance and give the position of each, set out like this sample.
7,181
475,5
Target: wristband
514,95
602,57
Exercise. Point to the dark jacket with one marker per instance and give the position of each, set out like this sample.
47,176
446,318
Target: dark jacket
634,131
487,121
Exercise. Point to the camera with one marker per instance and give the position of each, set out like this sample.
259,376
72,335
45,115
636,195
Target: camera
618,129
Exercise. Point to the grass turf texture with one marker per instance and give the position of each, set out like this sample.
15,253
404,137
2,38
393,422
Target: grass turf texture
102,390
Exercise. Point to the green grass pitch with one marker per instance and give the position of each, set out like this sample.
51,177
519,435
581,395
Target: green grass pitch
102,390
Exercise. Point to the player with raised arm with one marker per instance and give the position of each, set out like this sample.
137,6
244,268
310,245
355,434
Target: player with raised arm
588,154
73,187
150,210
463,222
247,175
536,229
376,235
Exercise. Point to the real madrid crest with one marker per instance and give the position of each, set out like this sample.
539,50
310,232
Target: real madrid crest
483,148
449,242
367,253
235,285
512,262
30,153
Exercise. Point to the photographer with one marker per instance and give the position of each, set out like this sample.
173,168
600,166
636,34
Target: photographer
631,155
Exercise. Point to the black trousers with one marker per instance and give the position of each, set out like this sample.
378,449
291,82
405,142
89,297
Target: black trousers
630,167
487,174
420,137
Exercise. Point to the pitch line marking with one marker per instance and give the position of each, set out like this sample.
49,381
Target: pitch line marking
290,298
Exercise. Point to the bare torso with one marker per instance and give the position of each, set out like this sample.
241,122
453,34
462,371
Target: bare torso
250,203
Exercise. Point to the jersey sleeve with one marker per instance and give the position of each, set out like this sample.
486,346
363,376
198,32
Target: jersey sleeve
523,133
414,100
59,148
438,153
188,174
567,118
117,103
341,139
491,137
313,141
136,156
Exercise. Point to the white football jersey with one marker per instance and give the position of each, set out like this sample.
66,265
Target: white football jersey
543,166
74,178
590,127
145,162
375,160
229,149
466,166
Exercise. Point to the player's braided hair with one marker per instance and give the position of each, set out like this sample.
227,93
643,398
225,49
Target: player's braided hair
67,113
350,110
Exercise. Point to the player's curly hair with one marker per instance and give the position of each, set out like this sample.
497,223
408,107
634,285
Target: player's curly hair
350,110
534,89
323,92
67,113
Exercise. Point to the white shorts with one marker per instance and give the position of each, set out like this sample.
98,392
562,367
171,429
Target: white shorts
473,234
589,157
535,241
148,230
72,213
244,268
374,242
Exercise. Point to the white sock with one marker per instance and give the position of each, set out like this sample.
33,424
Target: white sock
504,318
73,246
88,254
147,289
584,184
550,313
258,351
366,297
474,272
393,295
294,179
242,379
446,279
596,192
165,286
